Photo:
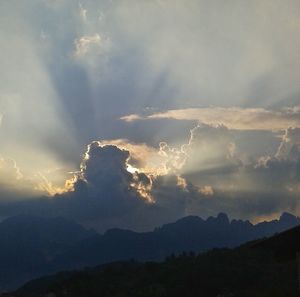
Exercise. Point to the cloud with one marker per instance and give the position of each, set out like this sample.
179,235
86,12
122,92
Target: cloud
244,205
120,197
104,172
118,184
104,193
9,169
239,55
206,190
289,148
281,172
82,12
131,118
135,61
14,185
84,43
142,157
264,187
232,117
216,179
259,188
174,158
210,149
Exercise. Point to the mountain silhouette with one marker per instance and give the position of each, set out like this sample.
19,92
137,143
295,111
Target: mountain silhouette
29,243
242,271
31,246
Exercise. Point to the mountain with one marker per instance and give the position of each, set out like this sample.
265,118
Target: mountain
32,247
29,243
187,234
243,271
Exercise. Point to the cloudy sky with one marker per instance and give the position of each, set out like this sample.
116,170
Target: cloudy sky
135,113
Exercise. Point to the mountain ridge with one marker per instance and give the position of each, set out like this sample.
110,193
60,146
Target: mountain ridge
48,245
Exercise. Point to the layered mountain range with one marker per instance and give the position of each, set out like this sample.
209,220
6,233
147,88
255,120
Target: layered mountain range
31,247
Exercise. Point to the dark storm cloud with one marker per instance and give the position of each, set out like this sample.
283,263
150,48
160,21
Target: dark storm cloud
108,195
105,195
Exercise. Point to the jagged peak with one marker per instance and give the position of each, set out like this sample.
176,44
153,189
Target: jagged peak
286,216
223,217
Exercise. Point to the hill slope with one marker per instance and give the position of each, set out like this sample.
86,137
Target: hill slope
223,272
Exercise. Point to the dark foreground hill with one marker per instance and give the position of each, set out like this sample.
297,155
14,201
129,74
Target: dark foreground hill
239,272
31,247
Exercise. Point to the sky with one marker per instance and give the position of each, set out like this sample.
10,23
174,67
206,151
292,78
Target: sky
135,113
